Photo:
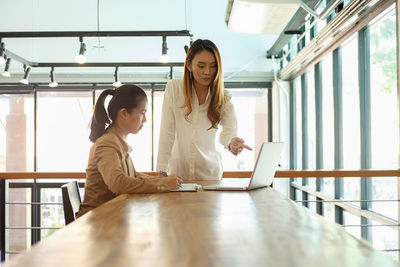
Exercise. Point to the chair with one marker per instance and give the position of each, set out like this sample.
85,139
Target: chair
71,201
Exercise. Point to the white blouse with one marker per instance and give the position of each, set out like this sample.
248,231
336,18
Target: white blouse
189,149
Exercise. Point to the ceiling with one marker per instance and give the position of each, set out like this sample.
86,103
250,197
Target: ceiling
243,55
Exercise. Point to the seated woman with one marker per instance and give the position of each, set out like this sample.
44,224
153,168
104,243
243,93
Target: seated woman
110,170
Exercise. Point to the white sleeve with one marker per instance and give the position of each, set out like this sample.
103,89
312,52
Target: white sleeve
167,130
228,122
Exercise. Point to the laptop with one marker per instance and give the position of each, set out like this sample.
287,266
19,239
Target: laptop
263,173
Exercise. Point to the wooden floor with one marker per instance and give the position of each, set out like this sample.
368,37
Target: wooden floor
205,228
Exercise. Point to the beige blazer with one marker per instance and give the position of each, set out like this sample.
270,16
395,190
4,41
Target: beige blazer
110,172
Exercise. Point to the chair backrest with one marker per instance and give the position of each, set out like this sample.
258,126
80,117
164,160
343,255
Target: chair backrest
71,200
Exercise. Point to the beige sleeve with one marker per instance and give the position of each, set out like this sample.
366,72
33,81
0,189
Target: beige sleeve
108,160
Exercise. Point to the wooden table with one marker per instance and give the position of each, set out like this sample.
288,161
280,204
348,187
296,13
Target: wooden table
205,228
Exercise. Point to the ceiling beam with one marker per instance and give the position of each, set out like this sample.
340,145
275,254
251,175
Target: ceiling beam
49,34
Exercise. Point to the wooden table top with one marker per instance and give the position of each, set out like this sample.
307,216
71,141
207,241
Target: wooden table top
205,228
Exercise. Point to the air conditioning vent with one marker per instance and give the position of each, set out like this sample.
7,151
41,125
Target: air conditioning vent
260,16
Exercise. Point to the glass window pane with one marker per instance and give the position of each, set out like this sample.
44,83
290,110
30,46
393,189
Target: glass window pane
329,186
312,205
384,112
19,216
351,118
293,47
307,36
321,23
62,130
311,125
352,189
16,133
298,124
328,131
329,211
251,106
385,188
299,196
21,242
385,238
351,106
285,50
352,224
328,115
51,216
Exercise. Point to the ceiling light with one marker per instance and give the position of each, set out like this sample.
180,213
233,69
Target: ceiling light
53,82
6,73
26,76
116,83
2,53
260,17
80,58
164,58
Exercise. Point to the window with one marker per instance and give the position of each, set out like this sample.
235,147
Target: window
16,132
351,118
311,124
352,224
384,113
328,131
62,130
19,216
16,154
251,106
328,117
298,123
329,211
385,238
52,216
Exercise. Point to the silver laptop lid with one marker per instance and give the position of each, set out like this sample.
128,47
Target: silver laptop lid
266,165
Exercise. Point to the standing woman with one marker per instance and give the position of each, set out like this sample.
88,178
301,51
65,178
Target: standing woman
110,170
193,108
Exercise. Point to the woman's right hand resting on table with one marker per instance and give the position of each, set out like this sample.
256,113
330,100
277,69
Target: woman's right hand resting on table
173,181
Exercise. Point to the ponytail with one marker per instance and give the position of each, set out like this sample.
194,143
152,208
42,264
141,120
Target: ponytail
100,120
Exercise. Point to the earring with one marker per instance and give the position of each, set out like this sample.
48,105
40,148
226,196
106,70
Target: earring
190,75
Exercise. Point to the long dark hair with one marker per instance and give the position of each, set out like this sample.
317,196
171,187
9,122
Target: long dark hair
127,96
217,86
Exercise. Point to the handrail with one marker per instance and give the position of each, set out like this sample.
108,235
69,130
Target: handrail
228,174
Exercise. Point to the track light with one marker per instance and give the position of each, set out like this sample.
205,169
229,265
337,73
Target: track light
26,76
116,83
6,73
164,56
80,58
2,53
53,82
